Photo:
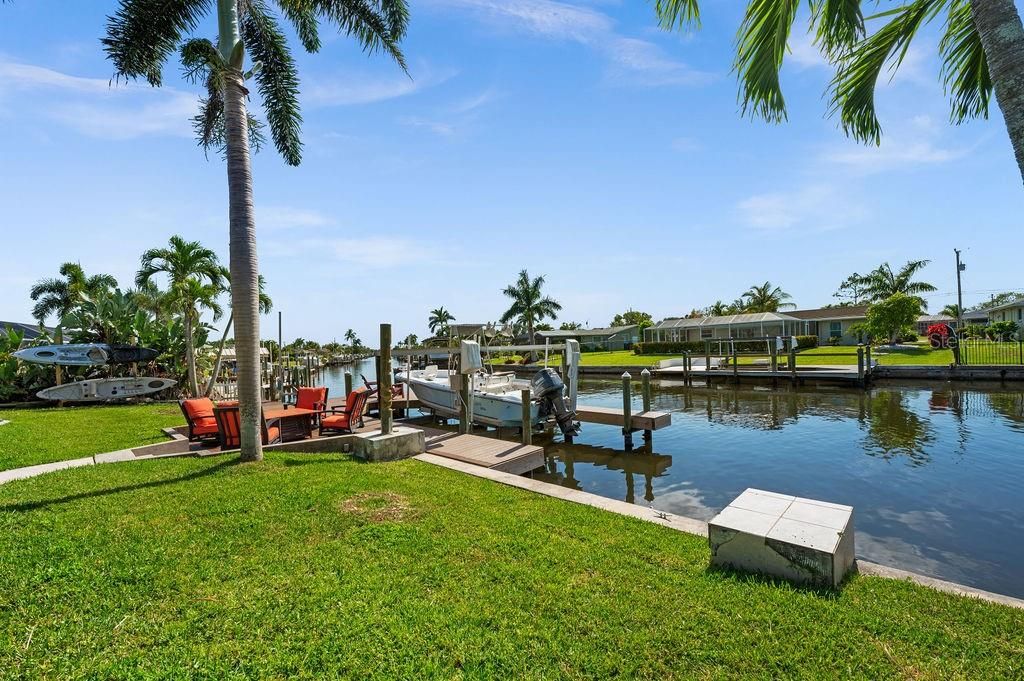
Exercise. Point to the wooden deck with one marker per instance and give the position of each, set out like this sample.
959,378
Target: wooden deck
610,416
488,452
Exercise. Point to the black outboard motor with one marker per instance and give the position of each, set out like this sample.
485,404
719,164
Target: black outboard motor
547,388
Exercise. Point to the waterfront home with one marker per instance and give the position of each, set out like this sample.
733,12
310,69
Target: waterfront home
1013,311
607,338
827,323
979,317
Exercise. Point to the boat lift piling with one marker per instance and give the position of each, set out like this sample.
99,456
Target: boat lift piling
627,410
645,382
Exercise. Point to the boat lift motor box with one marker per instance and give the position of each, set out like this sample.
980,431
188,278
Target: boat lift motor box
470,360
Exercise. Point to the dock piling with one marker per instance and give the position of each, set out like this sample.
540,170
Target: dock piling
384,381
627,409
645,382
860,364
348,383
524,395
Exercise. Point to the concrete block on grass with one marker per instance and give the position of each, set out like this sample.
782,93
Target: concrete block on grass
401,443
802,540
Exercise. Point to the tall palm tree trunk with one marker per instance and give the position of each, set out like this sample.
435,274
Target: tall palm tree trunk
190,356
220,354
1002,37
244,265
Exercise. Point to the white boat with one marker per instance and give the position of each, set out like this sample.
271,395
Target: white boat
85,354
496,397
102,389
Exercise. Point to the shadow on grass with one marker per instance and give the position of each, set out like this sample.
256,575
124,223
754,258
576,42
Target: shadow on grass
822,592
46,503
308,460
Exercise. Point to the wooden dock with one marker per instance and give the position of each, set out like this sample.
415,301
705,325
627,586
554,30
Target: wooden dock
610,416
487,452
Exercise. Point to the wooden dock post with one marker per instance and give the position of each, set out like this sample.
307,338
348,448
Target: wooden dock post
348,383
627,409
735,364
384,381
774,356
792,362
645,383
465,404
867,360
707,362
524,395
860,364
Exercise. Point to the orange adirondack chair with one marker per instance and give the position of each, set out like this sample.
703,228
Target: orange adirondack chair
347,419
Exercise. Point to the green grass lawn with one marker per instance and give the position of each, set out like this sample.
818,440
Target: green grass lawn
318,566
36,436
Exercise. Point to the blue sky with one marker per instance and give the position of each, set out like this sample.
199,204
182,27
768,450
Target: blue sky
574,139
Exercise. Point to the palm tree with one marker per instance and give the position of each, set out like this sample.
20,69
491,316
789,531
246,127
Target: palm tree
266,305
439,321
766,298
529,306
882,282
982,51
141,37
58,297
952,310
195,280
718,309
353,340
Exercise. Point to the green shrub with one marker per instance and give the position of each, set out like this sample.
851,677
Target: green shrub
973,331
806,342
1002,330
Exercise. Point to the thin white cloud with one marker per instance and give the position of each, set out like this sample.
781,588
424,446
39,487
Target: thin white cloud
814,208
437,127
287,217
99,107
915,143
364,89
633,61
365,253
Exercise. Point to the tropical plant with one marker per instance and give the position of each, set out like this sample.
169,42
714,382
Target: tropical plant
195,280
529,304
981,50
952,310
766,298
141,37
882,283
59,296
266,305
719,309
851,290
353,341
569,326
1002,331
439,321
631,317
893,317
19,379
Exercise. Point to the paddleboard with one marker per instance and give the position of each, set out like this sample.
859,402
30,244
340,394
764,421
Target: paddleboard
102,389
85,354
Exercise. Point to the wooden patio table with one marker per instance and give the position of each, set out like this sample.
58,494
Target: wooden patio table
296,424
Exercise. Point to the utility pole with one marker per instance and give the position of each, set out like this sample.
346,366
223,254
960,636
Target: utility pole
960,267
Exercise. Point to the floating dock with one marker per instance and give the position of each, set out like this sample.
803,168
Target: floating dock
610,416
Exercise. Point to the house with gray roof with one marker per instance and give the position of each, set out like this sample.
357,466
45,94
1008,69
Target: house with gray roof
606,338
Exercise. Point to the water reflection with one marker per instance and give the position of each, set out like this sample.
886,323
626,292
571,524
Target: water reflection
933,473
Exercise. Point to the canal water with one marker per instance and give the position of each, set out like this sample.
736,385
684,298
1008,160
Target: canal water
935,472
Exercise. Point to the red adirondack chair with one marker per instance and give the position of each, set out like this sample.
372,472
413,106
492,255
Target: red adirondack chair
230,430
314,399
199,415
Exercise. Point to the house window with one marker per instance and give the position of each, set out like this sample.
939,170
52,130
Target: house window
835,329
706,333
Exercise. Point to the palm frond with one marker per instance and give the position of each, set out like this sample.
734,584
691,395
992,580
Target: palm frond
277,77
303,19
853,87
143,33
965,72
761,46
677,13
378,25
840,24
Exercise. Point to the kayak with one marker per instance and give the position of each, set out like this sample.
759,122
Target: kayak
102,389
85,354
